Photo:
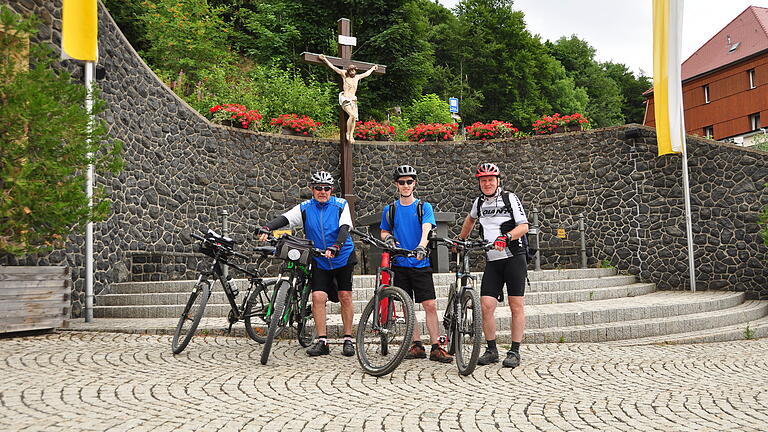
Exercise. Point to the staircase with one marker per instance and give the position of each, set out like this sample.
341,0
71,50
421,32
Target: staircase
583,305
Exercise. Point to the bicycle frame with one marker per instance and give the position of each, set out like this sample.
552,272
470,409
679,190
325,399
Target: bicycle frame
217,271
296,272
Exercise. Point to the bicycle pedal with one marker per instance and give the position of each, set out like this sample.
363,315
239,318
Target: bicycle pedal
400,321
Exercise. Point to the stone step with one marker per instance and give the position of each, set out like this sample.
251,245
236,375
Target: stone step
676,324
180,297
724,324
657,305
359,281
219,299
754,329
652,305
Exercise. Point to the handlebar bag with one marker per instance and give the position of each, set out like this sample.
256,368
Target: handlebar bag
287,243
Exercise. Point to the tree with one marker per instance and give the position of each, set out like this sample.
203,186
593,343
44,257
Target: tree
605,97
516,75
46,146
631,88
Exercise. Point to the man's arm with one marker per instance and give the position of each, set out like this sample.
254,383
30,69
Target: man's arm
368,72
466,227
325,60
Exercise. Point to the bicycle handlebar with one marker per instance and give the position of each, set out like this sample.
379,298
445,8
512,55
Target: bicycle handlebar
464,244
373,241
218,246
273,241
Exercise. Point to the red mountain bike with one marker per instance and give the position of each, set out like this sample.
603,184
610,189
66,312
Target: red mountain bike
385,329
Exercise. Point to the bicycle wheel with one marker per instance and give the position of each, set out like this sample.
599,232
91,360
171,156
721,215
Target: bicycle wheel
255,312
305,321
381,348
276,322
190,317
449,320
468,332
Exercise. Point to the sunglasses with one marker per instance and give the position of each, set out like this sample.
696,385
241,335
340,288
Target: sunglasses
323,188
405,182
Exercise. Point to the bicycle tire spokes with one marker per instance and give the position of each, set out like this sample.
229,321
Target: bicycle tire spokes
382,345
467,331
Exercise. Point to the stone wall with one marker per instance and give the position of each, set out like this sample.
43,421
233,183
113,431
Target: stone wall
181,171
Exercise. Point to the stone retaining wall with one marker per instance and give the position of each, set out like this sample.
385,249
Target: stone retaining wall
181,171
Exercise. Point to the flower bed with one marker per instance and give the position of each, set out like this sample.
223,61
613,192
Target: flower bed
373,131
560,123
492,130
235,115
432,132
300,125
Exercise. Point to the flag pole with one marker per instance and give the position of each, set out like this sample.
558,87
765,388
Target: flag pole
688,222
89,73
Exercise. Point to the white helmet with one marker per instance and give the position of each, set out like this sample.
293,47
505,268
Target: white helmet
321,177
404,171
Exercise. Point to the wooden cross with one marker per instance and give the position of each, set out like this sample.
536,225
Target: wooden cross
346,42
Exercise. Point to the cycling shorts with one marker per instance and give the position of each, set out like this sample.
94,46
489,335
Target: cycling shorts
511,271
417,282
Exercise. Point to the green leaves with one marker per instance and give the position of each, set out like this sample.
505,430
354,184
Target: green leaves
45,149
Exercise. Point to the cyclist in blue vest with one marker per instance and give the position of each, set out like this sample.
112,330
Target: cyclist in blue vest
413,219
326,221
503,222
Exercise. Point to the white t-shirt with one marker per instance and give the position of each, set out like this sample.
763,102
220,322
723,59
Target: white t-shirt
493,215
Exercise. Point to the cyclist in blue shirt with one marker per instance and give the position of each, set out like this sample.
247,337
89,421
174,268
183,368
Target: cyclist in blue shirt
413,220
326,221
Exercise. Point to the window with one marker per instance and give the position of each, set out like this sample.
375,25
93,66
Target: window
706,94
751,74
709,131
754,121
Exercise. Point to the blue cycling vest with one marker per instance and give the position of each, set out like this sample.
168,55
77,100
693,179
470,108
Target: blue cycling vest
321,225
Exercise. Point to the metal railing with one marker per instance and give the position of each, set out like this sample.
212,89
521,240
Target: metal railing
536,230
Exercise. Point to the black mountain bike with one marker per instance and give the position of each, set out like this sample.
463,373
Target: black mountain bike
290,305
251,309
463,319
385,329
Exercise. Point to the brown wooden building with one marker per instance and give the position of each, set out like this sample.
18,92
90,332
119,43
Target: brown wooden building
725,82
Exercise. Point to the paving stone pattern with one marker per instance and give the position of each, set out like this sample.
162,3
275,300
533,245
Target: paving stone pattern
118,382
181,171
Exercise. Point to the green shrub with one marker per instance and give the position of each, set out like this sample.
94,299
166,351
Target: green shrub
269,90
428,109
45,146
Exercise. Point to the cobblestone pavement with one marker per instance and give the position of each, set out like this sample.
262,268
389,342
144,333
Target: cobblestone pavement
122,382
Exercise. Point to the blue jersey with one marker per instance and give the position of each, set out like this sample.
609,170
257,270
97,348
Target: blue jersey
407,230
322,227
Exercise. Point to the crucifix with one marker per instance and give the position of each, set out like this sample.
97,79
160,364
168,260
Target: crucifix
345,67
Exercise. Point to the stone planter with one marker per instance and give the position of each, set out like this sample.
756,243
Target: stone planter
34,298
567,128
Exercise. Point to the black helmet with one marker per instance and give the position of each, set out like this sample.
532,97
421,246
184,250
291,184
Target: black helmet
321,177
404,171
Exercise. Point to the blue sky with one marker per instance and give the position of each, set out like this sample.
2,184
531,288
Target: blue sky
621,30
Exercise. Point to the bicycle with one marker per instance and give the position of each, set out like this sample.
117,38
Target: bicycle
290,304
251,310
380,327
462,318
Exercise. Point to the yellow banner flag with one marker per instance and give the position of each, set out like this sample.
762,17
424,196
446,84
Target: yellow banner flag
79,31
667,84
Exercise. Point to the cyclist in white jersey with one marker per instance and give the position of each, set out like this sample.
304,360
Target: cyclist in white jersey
506,264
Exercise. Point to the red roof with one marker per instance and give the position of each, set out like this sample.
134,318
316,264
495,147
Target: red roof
747,34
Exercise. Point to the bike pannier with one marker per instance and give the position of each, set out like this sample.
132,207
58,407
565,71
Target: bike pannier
288,243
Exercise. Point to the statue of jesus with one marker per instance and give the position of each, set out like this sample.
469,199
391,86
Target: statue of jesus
347,98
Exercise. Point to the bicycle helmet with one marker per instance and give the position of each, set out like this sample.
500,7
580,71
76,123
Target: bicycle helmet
321,177
487,169
404,171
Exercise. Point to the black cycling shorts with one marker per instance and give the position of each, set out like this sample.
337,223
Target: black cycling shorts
512,271
332,281
417,282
